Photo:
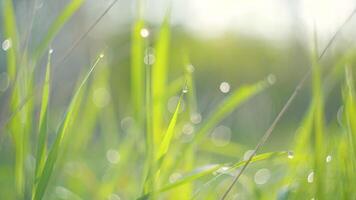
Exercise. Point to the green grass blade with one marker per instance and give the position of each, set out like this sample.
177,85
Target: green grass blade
41,145
159,80
54,152
56,26
228,105
167,138
10,33
319,148
202,172
137,70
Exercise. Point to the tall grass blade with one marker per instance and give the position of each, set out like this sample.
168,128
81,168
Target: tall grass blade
42,127
159,79
64,125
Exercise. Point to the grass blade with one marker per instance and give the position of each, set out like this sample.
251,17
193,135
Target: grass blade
205,171
41,145
54,152
159,80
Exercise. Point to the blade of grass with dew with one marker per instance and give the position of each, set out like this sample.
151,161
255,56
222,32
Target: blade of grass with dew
56,26
159,79
10,33
167,138
42,127
199,173
319,145
61,133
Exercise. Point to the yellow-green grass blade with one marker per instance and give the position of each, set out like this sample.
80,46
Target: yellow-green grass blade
42,127
10,33
137,70
159,80
319,144
56,26
167,138
350,107
228,105
61,134
208,170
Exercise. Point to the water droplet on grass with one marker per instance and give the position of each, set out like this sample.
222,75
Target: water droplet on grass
195,118
144,33
339,116
224,87
50,51
271,79
190,68
101,97
247,154
188,129
102,55
114,196
185,89
175,177
262,176
290,154
112,156
6,44
310,177
328,158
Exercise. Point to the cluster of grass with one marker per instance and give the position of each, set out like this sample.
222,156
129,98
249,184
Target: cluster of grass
150,158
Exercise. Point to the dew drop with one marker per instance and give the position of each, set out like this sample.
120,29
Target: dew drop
185,89
101,97
339,116
188,129
102,55
144,33
224,87
195,118
114,196
262,176
248,154
149,59
190,68
175,177
328,158
271,79
112,156
50,51
221,136
126,123
6,44
290,154
310,177
4,82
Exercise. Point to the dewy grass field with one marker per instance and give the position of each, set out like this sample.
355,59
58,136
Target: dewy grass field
102,139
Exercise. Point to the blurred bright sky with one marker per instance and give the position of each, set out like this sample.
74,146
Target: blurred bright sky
273,19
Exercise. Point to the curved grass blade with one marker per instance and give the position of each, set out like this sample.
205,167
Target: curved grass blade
56,26
202,172
54,152
42,145
166,141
